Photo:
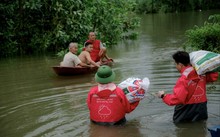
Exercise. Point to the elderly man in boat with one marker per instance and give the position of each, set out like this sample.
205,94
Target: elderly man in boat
71,59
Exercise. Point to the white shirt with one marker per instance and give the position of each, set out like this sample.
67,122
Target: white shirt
70,60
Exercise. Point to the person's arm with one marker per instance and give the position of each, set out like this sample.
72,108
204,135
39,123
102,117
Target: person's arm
108,58
79,63
84,65
129,107
103,54
89,60
82,58
177,97
212,76
102,51
101,45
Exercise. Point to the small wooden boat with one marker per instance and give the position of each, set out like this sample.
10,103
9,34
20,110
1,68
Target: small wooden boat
68,71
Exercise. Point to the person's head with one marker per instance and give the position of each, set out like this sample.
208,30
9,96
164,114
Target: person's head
88,46
181,59
92,36
73,47
104,75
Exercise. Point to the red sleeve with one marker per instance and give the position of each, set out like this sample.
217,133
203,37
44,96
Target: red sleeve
211,77
179,94
128,107
134,105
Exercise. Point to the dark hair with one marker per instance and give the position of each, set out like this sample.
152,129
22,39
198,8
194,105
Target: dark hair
182,57
88,43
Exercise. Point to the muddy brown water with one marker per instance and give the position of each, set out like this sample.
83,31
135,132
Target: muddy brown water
35,102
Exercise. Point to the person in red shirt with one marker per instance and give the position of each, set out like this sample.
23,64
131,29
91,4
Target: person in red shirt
107,103
99,51
189,93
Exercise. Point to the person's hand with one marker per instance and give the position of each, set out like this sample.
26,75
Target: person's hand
160,93
110,59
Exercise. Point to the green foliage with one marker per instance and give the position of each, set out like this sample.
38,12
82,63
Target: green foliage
112,18
214,19
164,6
147,6
36,26
206,37
80,48
62,53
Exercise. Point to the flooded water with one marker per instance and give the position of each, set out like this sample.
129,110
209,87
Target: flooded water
35,102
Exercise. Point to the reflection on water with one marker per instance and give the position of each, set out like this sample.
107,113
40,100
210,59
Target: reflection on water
34,101
118,131
197,129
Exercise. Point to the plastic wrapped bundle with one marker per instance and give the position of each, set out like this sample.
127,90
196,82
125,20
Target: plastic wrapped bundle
135,88
205,61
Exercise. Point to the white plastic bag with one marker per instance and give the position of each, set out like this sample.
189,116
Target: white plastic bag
205,61
135,88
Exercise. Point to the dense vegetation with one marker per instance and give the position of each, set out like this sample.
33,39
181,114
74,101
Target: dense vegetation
156,6
206,37
37,26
